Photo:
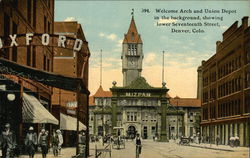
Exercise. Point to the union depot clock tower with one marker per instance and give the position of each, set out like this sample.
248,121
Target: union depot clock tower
132,54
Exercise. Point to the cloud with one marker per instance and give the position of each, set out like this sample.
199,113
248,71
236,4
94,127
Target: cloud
70,19
150,58
101,34
111,36
224,27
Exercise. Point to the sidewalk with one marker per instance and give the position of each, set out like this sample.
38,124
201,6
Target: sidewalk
65,153
219,147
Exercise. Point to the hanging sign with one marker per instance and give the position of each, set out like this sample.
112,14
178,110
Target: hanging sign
52,40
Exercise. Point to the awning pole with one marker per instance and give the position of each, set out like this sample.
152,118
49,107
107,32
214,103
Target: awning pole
21,109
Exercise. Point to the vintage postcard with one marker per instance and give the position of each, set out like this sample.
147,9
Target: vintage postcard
123,79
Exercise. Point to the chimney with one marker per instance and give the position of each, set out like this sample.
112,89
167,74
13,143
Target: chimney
218,45
245,22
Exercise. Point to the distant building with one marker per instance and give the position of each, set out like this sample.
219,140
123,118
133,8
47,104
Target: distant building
226,87
138,107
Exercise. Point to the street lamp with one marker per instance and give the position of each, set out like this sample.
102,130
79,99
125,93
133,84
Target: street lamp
11,96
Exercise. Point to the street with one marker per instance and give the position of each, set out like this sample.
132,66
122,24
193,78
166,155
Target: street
152,149
162,150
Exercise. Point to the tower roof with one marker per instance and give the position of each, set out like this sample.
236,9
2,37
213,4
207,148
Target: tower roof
132,35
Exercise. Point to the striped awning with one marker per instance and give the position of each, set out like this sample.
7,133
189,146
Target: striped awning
34,112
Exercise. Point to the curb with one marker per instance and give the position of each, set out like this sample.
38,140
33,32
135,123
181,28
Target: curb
210,148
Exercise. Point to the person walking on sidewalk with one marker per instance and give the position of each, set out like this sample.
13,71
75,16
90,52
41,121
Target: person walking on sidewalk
43,142
8,142
82,143
217,140
60,137
138,145
31,142
55,142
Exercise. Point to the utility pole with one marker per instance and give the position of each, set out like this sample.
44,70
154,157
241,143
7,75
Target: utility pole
163,66
102,122
177,135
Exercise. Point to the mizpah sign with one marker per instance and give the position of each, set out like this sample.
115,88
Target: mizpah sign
52,40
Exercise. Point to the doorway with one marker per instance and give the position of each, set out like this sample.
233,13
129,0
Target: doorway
131,132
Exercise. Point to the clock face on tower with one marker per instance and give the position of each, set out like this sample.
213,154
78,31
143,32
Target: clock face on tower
132,62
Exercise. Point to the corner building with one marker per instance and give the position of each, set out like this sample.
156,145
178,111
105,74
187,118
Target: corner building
226,87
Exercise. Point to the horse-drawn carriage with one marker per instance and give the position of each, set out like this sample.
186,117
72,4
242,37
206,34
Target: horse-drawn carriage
184,141
118,138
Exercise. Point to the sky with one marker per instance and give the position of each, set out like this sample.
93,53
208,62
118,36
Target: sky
105,22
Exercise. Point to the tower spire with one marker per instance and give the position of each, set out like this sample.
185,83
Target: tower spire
132,13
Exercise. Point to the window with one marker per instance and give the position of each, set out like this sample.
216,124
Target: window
6,34
127,116
34,14
34,56
45,24
44,62
48,65
28,55
48,27
29,10
14,49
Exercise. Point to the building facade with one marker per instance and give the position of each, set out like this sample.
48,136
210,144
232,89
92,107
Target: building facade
138,107
21,17
225,89
67,62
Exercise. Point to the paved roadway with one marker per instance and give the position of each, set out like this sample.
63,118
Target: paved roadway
163,150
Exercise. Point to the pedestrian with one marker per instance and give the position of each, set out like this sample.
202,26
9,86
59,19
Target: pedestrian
199,139
43,142
217,140
138,145
31,142
232,141
60,137
237,141
82,143
8,142
55,142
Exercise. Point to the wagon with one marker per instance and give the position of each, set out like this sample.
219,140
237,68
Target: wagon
118,139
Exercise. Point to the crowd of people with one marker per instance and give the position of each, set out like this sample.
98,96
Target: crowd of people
32,142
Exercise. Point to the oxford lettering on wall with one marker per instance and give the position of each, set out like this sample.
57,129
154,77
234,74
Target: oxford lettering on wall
52,40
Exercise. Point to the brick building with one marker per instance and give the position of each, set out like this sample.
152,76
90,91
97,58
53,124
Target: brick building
74,64
21,17
226,87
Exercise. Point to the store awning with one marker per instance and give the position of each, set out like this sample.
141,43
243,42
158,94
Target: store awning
69,123
35,112
44,77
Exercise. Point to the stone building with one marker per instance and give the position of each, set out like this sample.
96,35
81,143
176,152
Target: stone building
225,89
137,107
